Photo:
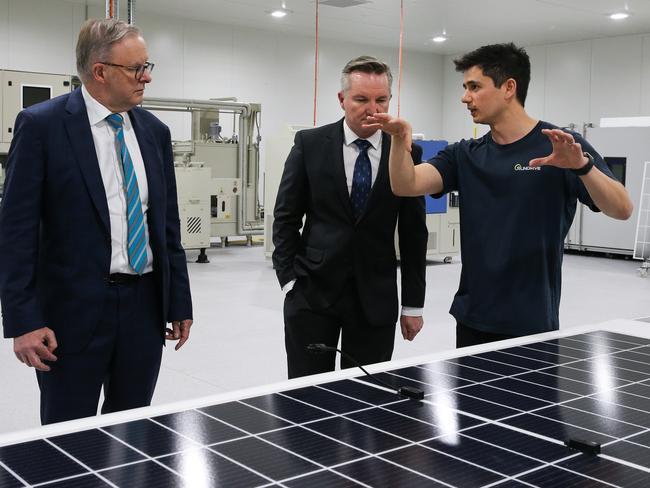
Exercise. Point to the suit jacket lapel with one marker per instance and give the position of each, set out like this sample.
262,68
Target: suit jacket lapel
80,137
334,154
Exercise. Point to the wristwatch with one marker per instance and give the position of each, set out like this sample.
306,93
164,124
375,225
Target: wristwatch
587,167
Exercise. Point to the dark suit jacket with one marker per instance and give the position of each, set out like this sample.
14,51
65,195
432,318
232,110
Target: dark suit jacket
333,246
55,244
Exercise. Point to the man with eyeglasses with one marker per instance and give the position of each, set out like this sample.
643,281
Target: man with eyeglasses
91,264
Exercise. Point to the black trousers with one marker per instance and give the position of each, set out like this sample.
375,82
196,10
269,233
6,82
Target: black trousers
303,325
467,336
123,357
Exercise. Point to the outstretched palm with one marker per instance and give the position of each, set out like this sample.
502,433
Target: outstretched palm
391,125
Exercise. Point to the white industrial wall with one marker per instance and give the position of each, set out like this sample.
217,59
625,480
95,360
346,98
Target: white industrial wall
573,82
203,60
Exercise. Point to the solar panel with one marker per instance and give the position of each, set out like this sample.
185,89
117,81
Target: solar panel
642,236
499,417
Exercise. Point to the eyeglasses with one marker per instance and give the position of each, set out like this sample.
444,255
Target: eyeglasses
138,70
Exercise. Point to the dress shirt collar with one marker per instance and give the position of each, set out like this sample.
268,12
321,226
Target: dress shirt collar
350,136
96,111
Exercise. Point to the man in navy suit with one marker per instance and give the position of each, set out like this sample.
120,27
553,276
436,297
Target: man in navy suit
91,265
340,273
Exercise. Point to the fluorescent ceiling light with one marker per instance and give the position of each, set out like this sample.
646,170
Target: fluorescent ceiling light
619,16
439,39
625,121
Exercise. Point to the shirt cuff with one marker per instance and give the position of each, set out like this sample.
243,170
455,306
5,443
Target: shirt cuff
412,311
288,286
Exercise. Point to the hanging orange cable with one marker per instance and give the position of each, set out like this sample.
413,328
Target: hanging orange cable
316,65
110,9
401,41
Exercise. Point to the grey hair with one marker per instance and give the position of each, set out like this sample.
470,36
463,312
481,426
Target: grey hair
365,64
96,39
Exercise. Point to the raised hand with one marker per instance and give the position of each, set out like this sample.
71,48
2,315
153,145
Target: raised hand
567,153
399,128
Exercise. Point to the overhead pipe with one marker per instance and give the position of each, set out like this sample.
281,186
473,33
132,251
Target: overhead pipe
186,104
131,11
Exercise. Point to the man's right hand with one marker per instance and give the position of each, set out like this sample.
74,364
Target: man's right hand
35,347
398,128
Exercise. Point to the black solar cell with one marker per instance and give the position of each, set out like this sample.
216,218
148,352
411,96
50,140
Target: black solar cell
7,480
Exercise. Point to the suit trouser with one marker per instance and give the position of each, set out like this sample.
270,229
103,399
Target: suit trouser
468,336
123,356
304,325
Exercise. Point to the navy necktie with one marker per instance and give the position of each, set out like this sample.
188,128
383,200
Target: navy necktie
361,178
137,245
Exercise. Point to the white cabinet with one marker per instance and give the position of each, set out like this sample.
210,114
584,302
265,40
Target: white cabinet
21,89
627,149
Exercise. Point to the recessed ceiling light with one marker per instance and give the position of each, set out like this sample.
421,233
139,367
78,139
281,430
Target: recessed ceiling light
619,16
439,39
279,13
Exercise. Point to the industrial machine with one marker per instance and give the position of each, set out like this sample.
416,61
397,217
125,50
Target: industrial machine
21,89
443,214
217,175
624,149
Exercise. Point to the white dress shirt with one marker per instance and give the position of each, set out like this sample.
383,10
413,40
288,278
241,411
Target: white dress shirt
350,153
112,173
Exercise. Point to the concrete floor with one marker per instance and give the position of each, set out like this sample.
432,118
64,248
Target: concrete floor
237,340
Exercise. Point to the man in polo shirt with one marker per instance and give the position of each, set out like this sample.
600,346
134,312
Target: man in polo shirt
519,185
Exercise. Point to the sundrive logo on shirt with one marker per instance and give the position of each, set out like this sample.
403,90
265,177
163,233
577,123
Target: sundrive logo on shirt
521,167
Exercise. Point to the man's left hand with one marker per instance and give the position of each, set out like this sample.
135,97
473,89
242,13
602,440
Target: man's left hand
410,326
180,332
567,153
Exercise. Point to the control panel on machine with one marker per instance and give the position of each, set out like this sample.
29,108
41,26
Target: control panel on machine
20,90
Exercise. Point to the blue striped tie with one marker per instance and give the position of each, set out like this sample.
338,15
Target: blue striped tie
137,245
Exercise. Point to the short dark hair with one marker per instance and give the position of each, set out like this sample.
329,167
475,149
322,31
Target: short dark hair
500,62
365,64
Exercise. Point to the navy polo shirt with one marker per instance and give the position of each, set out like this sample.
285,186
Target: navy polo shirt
514,219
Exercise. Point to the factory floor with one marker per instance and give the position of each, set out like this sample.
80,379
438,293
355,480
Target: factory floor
237,340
